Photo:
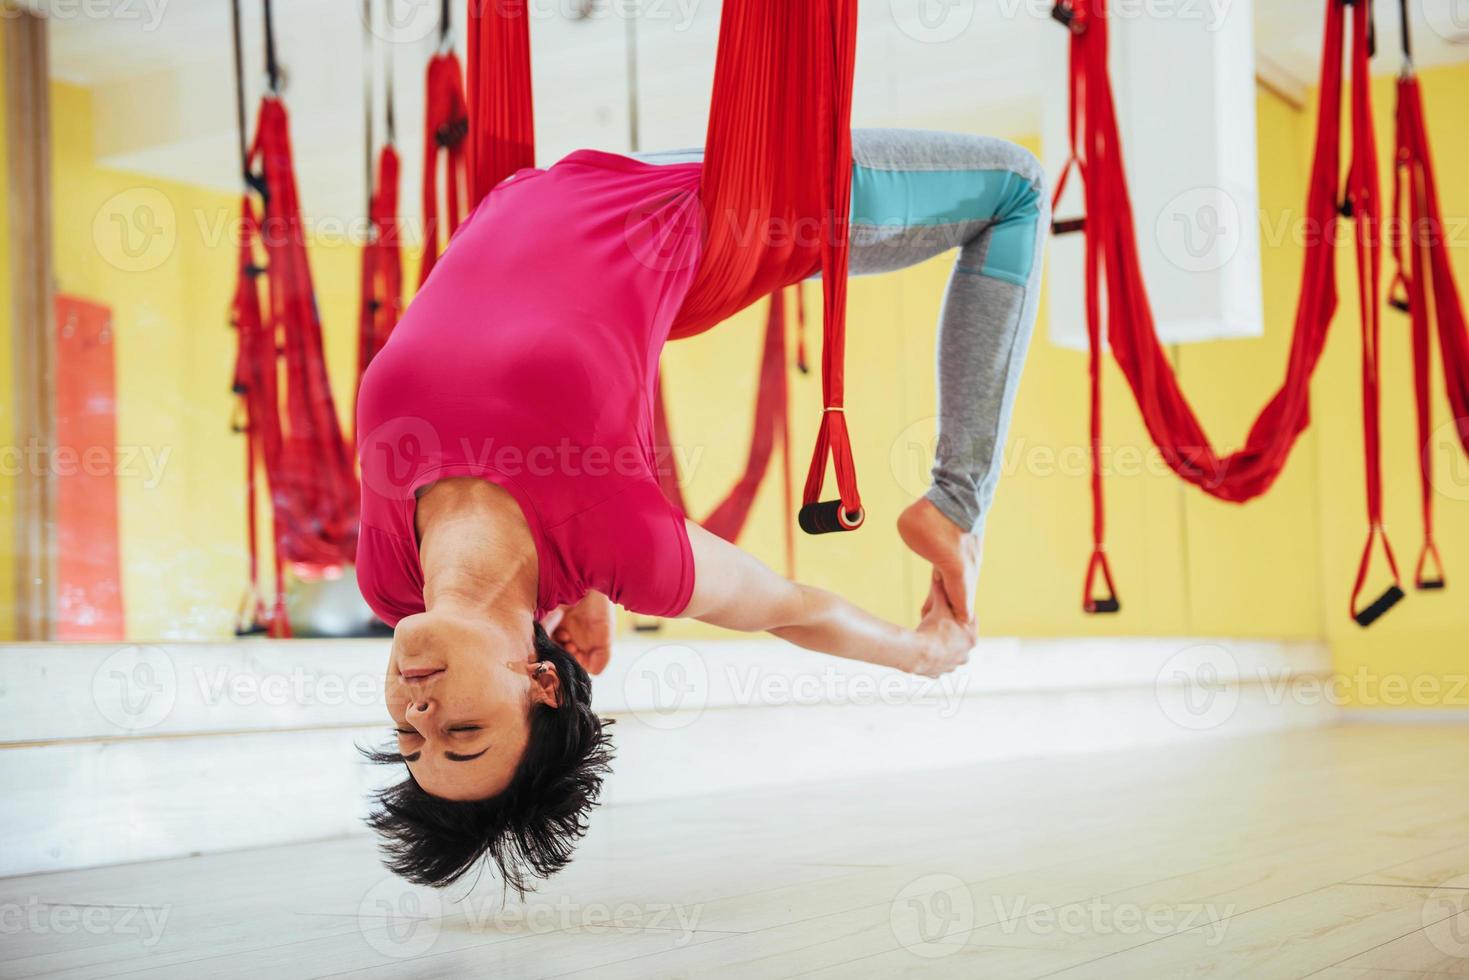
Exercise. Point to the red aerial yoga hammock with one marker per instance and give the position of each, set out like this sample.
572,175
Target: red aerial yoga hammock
307,462
1112,274
1423,287
777,165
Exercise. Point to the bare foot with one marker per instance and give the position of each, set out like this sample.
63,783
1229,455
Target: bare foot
953,552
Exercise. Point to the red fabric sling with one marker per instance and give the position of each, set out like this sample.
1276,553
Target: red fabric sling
776,183
1114,288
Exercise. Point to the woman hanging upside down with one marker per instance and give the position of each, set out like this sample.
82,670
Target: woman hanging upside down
509,483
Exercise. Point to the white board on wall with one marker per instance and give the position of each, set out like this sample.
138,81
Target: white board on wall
1184,81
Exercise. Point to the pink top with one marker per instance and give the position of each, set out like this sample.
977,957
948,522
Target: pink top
529,359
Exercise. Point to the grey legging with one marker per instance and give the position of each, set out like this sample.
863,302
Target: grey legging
916,194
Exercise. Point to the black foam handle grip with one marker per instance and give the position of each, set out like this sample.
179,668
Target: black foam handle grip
1063,14
1096,606
1068,226
1430,585
257,184
254,629
827,517
1398,303
1380,605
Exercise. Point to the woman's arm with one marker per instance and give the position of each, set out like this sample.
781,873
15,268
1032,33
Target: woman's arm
735,590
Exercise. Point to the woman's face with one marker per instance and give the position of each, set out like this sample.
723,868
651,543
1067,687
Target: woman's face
460,690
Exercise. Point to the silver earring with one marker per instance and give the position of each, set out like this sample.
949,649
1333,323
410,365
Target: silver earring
541,669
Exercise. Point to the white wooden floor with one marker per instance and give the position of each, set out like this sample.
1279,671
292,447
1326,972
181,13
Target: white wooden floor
1340,853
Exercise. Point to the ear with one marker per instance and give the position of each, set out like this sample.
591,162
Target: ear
545,685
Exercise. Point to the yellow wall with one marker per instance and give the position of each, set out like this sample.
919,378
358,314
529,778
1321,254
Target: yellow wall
1186,564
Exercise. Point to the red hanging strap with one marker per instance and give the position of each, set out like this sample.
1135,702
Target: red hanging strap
1424,287
1363,194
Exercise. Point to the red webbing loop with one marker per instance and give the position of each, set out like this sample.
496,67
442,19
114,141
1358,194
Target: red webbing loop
501,111
446,131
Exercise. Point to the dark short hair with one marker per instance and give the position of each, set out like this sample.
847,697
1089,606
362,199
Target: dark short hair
531,827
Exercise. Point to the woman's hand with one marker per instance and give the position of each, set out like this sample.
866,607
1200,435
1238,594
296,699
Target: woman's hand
944,642
585,630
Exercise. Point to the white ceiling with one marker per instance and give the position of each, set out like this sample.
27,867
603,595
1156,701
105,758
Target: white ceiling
982,64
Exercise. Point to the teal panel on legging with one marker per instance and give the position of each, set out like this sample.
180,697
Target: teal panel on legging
915,198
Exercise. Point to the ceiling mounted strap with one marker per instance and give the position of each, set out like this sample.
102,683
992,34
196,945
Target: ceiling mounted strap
241,126
272,66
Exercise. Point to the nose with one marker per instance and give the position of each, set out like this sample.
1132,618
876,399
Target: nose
419,706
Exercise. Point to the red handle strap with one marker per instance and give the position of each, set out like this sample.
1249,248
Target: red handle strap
1370,613
1089,601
